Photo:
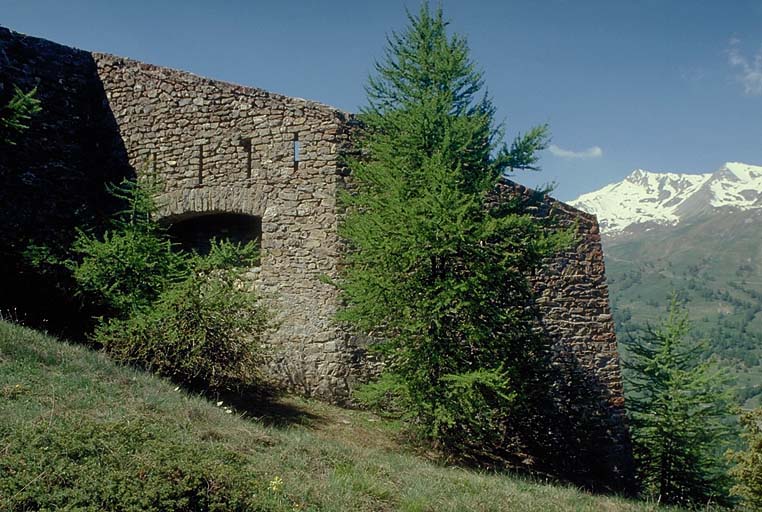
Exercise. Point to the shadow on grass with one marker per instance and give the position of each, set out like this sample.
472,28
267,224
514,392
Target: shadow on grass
266,406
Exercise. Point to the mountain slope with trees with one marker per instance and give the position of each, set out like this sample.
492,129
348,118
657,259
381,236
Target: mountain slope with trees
712,263
708,254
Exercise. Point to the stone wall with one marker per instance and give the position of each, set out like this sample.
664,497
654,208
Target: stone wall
219,147
572,305
53,178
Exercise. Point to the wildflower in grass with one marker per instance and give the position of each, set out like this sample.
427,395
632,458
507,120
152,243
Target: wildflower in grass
276,484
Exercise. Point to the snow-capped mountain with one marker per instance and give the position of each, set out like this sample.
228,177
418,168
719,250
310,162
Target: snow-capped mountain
645,199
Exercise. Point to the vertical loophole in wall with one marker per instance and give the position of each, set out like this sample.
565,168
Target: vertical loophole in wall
152,159
248,160
297,148
246,143
195,232
201,165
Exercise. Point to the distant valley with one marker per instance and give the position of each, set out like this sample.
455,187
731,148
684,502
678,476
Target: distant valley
699,235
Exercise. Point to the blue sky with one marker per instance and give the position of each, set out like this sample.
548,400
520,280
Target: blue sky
665,85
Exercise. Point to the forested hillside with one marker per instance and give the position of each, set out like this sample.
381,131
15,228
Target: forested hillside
697,235
713,264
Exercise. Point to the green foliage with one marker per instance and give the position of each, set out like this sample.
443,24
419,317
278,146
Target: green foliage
63,464
202,330
474,406
15,116
129,266
225,256
434,274
387,395
126,269
181,315
679,406
198,332
748,469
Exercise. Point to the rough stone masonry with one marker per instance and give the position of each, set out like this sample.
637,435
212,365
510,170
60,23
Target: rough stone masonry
235,158
221,148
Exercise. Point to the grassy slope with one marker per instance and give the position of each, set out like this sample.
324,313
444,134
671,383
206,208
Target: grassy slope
78,431
714,265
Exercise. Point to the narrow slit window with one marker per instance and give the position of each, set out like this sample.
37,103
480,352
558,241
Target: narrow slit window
297,148
246,143
200,165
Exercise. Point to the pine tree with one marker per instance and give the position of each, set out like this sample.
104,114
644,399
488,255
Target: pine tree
15,116
433,274
679,404
128,266
747,471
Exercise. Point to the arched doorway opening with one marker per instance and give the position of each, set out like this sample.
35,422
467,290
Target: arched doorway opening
194,232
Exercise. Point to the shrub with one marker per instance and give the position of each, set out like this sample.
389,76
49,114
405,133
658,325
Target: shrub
78,463
388,395
128,267
205,329
182,315
16,114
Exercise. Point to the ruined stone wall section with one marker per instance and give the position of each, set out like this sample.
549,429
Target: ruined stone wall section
219,147
223,148
572,301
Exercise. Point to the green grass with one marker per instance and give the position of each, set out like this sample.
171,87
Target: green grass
78,432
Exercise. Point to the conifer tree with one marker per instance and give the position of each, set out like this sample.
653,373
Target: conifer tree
15,116
679,406
747,471
433,274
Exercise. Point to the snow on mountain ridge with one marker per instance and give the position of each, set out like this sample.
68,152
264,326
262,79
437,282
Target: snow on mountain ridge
645,197
737,184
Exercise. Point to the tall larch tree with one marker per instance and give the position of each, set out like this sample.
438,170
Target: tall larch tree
436,273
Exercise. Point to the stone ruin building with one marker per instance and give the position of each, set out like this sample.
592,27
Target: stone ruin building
250,164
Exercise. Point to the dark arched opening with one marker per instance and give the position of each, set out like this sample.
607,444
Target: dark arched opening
197,231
